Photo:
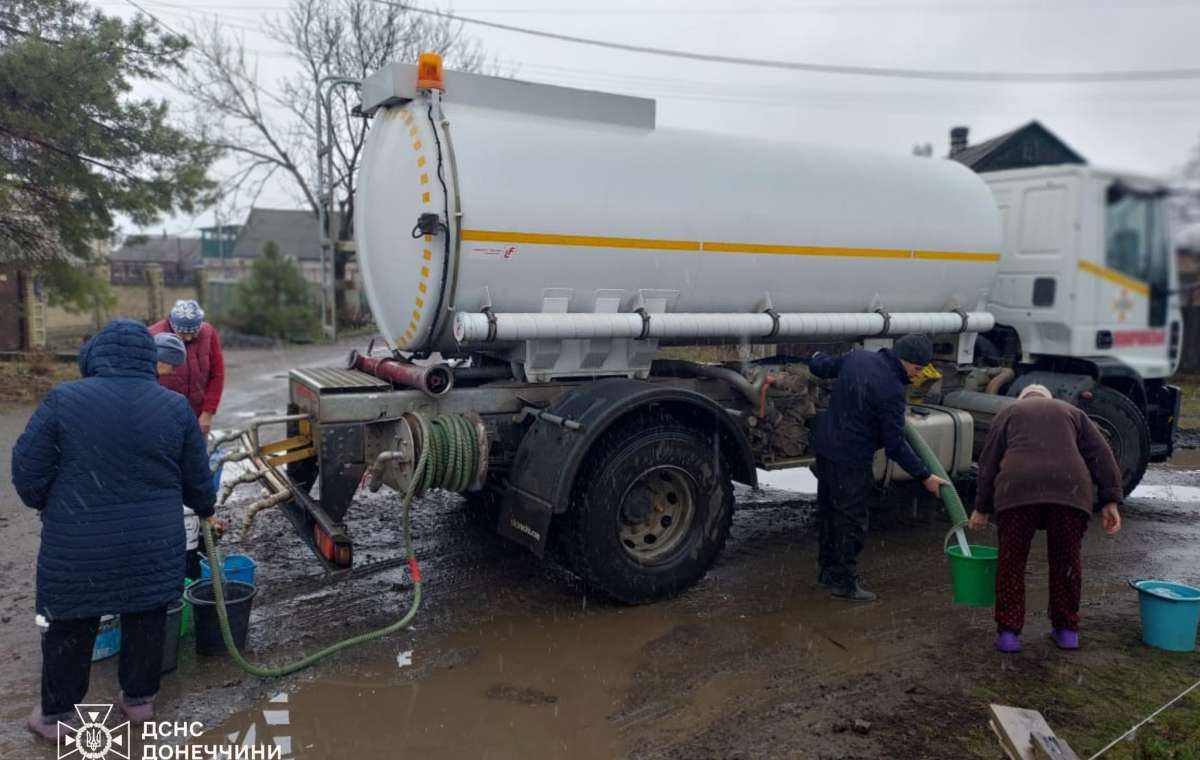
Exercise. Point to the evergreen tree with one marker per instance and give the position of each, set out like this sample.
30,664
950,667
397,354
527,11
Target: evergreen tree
274,300
75,147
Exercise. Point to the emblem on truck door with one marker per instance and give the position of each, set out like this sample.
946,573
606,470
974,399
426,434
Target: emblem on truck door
1123,304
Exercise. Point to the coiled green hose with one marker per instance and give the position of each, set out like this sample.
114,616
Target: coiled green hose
453,448
449,461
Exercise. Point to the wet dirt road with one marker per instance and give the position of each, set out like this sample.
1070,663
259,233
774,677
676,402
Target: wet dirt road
510,658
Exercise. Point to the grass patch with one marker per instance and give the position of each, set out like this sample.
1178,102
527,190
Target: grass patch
1189,386
27,380
1092,697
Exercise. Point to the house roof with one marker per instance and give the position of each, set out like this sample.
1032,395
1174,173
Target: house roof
1028,145
292,230
169,249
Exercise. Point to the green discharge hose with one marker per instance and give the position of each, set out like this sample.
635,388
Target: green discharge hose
948,494
449,461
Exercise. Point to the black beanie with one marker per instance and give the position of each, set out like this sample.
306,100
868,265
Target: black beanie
914,349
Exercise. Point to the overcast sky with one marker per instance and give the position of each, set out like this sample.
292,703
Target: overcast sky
1145,127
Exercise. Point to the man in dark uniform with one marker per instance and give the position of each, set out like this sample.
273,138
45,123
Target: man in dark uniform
866,413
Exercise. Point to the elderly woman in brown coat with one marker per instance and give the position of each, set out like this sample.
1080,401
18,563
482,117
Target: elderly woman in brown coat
1037,470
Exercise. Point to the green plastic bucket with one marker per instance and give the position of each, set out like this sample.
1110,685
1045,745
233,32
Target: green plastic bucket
185,617
973,578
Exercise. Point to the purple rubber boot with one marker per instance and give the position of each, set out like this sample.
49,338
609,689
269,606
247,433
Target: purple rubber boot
1008,642
1065,638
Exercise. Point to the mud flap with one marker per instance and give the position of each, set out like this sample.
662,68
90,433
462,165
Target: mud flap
543,471
525,519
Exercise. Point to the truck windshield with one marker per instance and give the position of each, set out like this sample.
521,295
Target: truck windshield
1135,233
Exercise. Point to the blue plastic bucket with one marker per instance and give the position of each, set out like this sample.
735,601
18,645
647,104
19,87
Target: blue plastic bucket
236,567
1170,614
213,458
108,638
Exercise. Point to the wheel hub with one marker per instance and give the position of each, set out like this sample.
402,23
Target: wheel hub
656,514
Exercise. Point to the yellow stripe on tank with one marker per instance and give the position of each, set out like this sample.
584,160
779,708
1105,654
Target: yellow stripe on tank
588,241
603,241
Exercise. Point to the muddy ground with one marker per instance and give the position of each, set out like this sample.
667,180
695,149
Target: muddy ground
509,657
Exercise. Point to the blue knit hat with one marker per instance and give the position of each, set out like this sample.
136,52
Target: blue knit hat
186,316
170,349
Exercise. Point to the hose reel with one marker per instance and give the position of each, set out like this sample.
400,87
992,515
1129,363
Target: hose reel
457,459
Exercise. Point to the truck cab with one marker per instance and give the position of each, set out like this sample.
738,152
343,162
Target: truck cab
1087,285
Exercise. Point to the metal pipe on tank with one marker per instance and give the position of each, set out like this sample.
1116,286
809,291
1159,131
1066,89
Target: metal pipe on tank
737,381
506,327
1005,376
434,380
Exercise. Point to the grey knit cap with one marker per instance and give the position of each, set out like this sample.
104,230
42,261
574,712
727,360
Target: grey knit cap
170,349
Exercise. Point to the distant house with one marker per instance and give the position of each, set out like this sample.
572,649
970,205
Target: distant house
1187,248
179,258
1023,147
293,231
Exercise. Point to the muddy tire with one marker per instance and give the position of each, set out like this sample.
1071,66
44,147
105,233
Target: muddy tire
651,511
1125,429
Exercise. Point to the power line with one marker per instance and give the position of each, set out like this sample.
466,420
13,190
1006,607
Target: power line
200,17
1066,77
611,78
156,19
824,8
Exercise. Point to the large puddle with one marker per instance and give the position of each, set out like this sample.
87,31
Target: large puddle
536,688
591,683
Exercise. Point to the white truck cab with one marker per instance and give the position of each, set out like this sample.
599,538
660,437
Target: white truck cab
1087,286
1085,268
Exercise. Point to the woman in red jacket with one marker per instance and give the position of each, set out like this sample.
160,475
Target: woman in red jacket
1037,470
202,377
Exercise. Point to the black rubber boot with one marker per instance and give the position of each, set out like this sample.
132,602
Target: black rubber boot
825,578
853,593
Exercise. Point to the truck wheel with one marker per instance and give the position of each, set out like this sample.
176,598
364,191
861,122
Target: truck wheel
651,511
1125,429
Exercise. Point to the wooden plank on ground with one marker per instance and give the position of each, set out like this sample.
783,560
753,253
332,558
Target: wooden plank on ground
1025,735
1051,747
1000,738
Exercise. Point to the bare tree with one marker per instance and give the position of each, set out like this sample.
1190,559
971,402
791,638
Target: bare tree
1185,196
271,129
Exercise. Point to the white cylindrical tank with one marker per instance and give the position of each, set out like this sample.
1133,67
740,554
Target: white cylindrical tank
573,215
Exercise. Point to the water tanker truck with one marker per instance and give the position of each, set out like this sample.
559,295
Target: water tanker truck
529,251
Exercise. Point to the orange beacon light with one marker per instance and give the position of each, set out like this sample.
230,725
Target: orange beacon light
429,71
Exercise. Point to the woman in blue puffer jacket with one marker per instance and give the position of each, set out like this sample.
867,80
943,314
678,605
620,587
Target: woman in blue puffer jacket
107,460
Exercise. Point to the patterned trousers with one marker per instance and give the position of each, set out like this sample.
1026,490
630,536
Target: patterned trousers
1065,527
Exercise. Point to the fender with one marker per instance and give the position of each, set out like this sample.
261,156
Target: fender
543,472
1105,370
1062,385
